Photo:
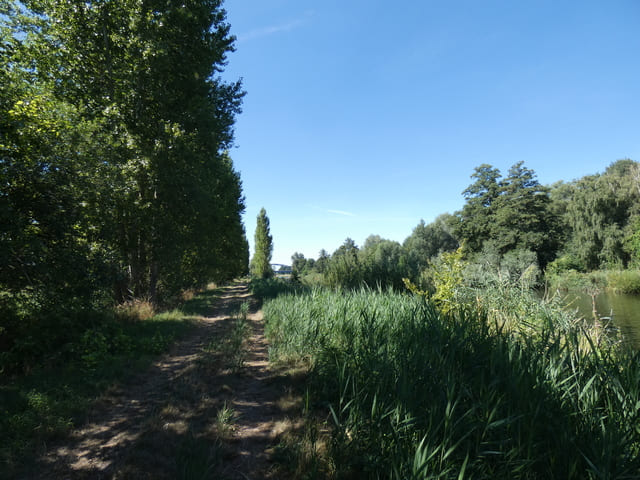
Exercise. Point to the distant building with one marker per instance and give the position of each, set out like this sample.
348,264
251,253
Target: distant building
281,270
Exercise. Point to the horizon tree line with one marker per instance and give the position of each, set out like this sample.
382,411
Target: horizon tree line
586,224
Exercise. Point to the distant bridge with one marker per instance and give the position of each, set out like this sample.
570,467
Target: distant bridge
281,269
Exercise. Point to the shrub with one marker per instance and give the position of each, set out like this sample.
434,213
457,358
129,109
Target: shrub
565,263
37,329
313,279
570,280
135,310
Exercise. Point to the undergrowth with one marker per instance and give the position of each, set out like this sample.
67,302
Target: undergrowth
47,402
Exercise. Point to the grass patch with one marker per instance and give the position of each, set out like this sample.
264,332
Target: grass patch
265,288
624,281
302,451
169,449
572,280
135,310
618,281
225,421
202,303
44,405
229,350
413,393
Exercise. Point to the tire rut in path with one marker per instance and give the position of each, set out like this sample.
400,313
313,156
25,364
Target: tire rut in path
163,423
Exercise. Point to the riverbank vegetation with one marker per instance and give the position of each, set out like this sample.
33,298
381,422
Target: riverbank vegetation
503,387
431,359
454,354
568,235
617,281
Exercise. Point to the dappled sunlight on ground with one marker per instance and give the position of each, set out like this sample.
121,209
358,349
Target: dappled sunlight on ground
194,414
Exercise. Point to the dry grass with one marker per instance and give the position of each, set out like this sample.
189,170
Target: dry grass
136,310
303,449
188,295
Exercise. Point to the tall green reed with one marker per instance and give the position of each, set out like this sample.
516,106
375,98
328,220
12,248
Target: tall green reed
414,393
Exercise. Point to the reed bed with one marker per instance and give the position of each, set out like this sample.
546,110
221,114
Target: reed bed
415,394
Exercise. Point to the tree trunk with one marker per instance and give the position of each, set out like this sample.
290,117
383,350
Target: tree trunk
153,283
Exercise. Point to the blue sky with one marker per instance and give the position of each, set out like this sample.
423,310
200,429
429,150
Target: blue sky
363,117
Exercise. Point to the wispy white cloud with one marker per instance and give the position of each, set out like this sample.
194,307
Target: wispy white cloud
342,212
335,212
274,29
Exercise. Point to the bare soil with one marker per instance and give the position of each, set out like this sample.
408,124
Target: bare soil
170,422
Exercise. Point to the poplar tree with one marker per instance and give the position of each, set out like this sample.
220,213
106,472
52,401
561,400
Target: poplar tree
261,261
149,72
115,178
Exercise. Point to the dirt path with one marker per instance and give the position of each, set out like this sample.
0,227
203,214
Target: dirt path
205,410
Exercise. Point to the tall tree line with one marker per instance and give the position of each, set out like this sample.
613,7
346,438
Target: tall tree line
600,218
115,180
510,223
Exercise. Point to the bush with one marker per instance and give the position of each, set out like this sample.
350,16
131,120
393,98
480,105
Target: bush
565,263
38,329
313,279
135,310
517,267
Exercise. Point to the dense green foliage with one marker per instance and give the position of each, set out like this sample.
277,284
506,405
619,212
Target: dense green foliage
427,241
266,288
414,393
600,218
510,224
114,177
263,245
508,214
618,281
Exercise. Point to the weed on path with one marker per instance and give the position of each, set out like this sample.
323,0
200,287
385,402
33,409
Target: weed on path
211,408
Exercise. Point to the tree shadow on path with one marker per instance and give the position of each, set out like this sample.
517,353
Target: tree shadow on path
166,423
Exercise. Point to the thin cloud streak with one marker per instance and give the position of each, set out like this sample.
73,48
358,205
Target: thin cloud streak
273,29
342,212
335,212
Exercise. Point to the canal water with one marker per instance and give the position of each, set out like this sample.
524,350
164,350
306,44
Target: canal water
624,311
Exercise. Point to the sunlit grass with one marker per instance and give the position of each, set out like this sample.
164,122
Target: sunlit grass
135,310
225,421
413,393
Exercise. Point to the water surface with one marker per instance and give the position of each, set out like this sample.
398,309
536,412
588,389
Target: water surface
624,310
